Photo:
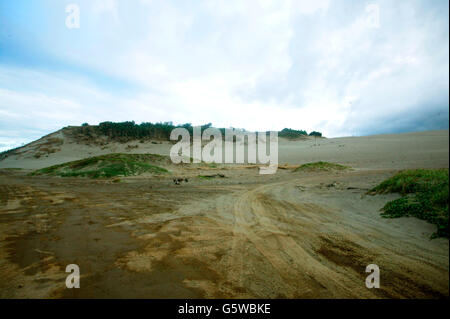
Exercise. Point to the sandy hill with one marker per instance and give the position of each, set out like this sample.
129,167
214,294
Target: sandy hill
428,149
140,226
66,145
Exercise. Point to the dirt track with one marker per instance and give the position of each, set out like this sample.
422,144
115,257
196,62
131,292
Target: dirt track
289,235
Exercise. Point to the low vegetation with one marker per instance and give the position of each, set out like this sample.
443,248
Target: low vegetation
211,176
292,134
126,131
109,165
424,195
314,133
320,166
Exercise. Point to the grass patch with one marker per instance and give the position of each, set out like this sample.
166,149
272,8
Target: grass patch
205,176
320,166
109,165
211,176
424,195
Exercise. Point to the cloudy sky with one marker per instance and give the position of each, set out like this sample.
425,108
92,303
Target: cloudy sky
341,67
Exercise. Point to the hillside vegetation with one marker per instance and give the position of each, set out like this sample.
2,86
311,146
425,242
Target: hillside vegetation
320,166
109,165
125,131
424,195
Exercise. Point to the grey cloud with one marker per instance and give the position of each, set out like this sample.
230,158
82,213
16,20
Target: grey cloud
237,63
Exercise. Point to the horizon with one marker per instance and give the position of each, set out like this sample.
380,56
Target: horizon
343,68
213,126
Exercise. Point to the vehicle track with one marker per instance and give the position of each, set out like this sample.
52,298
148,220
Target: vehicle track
320,251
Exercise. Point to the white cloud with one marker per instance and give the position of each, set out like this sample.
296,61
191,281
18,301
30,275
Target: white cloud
106,7
261,65
309,7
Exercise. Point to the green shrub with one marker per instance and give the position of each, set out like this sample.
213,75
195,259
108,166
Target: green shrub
291,134
314,133
320,166
424,195
109,165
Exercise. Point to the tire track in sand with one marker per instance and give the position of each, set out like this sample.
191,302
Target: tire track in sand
303,275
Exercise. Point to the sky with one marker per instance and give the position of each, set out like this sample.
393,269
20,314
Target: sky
344,68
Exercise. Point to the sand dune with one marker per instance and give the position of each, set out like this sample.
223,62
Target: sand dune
397,151
287,235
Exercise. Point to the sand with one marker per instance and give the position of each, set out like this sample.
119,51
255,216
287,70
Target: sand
288,235
397,151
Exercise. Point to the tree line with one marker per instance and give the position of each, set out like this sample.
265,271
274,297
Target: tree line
161,130
290,133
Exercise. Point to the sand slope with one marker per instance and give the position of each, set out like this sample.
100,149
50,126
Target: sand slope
288,235
428,149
